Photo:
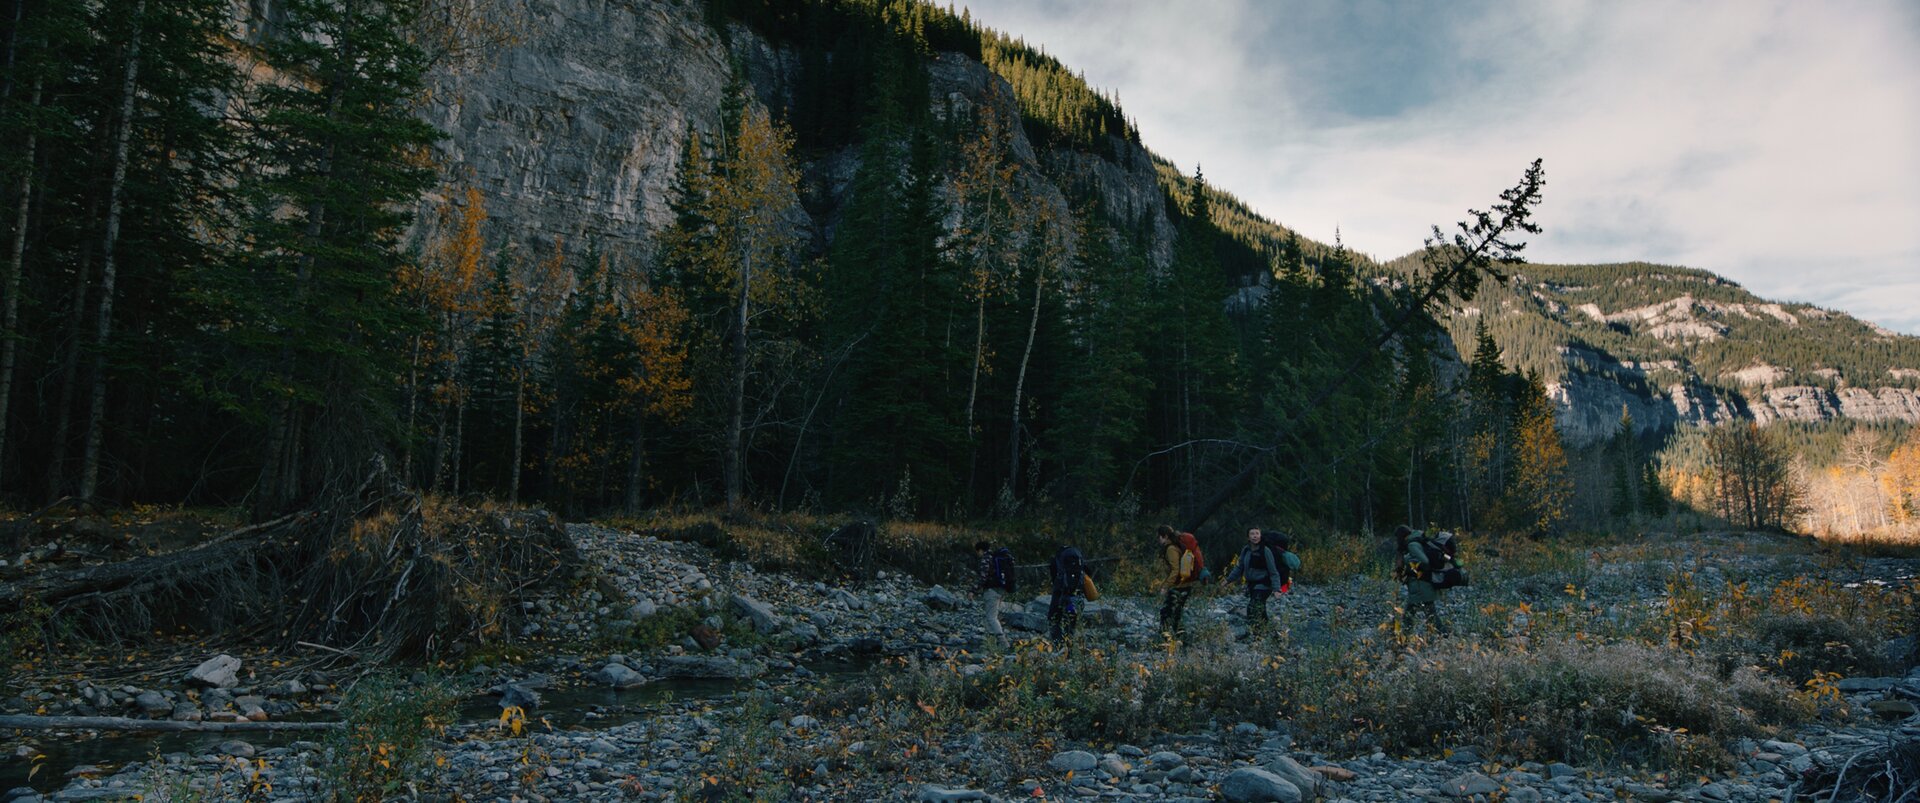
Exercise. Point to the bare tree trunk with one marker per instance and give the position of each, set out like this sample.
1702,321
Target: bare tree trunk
1020,380
732,466
103,328
636,461
16,264
519,437
459,443
70,363
413,409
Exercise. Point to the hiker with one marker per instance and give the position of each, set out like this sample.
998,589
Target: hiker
1420,559
1181,553
1068,571
1265,566
996,581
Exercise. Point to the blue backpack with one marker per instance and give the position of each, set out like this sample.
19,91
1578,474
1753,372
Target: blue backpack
1003,568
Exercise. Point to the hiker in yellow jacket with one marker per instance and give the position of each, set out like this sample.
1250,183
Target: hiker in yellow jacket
1181,554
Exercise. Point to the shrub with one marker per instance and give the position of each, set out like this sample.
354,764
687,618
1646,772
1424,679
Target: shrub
1568,700
383,747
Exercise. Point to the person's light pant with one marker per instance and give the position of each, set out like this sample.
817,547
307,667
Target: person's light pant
990,605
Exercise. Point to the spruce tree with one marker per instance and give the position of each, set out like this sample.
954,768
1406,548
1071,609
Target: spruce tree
315,316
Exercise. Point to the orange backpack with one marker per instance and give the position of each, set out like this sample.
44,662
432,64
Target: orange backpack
1192,545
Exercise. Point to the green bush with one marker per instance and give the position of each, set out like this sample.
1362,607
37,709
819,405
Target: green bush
383,747
1569,700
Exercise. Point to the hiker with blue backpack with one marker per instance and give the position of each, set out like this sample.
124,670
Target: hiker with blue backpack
996,581
1266,566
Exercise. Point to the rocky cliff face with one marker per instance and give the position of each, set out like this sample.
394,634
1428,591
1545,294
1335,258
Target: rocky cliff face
1678,346
574,134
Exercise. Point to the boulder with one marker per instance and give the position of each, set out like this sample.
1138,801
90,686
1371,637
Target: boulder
515,695
1030,622
707,666
1307,781
1471,784
763,618
1073,761
154,704
1893,709
619,676
940,599
219,672
1255,785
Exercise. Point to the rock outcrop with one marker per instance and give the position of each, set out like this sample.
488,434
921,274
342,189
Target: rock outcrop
574,134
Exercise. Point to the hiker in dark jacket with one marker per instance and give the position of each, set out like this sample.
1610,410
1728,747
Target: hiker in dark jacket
996,581
1264,571
1063,610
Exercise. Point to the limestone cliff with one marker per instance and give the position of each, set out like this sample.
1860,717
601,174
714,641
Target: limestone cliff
574,133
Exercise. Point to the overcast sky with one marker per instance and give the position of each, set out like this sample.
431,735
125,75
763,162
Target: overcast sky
1777,144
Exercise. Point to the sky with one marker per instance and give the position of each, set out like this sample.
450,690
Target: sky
1774,143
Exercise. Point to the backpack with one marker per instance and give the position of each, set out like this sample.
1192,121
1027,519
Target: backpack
1069,572
1441,569
1003,569
1191,545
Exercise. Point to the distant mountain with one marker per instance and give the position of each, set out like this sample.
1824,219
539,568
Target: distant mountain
1678,345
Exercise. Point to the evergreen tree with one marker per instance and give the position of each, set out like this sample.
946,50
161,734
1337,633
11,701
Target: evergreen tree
314,316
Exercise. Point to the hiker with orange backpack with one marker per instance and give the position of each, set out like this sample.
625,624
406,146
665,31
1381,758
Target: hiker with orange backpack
1186,568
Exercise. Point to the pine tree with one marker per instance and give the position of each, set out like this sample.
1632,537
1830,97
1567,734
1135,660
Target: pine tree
315,316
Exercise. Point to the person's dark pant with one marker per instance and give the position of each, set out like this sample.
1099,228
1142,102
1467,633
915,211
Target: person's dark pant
1063,616
1257,610
1431,610
1172,610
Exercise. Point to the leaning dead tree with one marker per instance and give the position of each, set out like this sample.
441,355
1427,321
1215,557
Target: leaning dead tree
378,572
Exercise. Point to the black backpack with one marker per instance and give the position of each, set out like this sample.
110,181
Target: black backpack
1003,569
1068,569
1442,569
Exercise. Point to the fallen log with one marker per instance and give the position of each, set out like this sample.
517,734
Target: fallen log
28,722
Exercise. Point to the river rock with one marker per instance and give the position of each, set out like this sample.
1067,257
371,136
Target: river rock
940,599
1101,616
619,676
154,704
1333,773
707,666
642,609
1857,685
1073,761
763,618
941,794
236,748
1305,780
220,672
1255,785
515,695
1472,784
1029,622
1892,709
1165,760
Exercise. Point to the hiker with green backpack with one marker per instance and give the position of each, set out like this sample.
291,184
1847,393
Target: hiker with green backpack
1266,566
1428,565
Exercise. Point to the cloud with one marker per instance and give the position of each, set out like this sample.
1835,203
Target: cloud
1771,142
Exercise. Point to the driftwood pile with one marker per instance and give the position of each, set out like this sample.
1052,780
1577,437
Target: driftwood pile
379,573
